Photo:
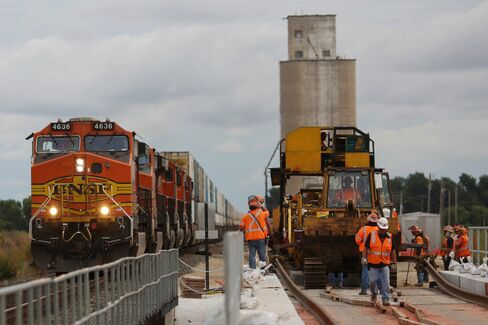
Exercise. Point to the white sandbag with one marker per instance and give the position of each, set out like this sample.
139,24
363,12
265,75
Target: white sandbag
258,317
454,266
467,268
249,302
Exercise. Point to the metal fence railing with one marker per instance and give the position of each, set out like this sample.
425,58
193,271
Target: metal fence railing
126,291
478,243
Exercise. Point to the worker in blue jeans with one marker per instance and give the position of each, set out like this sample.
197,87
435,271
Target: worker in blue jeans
260,247
254,224
379,255
360,238
336,281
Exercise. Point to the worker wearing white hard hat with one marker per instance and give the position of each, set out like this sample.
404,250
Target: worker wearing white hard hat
360,238
379,255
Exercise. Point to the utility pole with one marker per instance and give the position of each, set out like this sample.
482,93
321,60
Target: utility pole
401,202
442,201
449,207
456,204
428,193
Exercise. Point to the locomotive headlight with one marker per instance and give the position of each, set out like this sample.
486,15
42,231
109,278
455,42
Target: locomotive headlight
53,211
80,165
104,210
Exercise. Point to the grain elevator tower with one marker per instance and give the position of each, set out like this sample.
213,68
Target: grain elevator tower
317,86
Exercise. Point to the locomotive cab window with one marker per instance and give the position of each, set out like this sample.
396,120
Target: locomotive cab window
48,147
178,178
57,144
113,146
109,143
345,186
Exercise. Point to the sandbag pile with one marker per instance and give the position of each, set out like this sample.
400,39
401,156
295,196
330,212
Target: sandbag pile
470,268
192,286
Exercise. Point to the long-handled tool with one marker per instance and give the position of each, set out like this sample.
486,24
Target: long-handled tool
408,271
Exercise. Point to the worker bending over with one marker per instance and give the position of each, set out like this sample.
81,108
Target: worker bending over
379,255
420,239
361,236
447,246
254,224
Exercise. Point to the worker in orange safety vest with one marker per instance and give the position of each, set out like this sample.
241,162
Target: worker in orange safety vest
379,255
348,192
461,246
360,238
447,246
254,226
421,239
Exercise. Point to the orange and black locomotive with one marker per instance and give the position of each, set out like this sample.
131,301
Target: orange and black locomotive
99,194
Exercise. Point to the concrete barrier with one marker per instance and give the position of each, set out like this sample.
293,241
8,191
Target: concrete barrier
467,282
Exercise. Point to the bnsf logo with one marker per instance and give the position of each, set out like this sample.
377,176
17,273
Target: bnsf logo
77,189
80,189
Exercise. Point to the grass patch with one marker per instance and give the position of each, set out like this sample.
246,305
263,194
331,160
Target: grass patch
15,256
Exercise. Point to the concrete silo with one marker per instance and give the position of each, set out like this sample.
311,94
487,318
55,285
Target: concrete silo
317,87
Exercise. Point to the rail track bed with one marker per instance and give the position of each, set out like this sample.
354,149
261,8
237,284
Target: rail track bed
412,306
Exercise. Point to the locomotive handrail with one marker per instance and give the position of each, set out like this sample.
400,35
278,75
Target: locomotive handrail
46,201
122,209
126,291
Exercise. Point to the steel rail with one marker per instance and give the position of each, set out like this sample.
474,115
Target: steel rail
320,314
451,289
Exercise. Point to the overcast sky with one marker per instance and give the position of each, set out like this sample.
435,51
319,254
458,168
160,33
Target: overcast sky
202,76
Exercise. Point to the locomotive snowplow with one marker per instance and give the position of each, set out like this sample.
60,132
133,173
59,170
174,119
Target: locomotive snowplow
328,186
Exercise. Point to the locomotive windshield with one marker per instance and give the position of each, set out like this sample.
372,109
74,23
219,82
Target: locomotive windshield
345,186
57,144
107,143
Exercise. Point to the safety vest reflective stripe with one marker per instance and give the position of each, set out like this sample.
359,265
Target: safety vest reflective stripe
444,247
379,252
253,226
359,238
463,249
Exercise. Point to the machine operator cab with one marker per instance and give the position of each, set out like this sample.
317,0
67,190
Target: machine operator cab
343,159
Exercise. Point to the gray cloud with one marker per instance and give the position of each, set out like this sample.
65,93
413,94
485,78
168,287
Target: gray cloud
203,76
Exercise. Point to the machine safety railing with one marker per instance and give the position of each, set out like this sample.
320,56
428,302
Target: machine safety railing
126,291
478,243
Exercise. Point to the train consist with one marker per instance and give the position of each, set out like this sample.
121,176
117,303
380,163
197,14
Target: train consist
318,222
99,194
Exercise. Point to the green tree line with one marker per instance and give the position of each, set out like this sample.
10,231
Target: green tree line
412,192
15,215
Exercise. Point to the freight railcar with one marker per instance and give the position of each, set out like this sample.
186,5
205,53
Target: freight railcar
223,215
99,194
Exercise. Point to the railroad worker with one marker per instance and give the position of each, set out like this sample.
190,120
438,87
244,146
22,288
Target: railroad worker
461,245
447,246
262,207
421,239
379,254
253,224
348,192
360,238
336,279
